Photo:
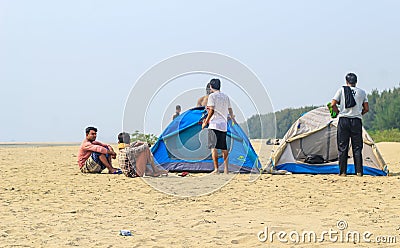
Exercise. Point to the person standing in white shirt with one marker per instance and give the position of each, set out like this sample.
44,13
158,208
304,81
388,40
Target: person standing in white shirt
353,105
219,106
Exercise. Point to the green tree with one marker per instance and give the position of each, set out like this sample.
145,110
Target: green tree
263,126
385,112
368,119
149,138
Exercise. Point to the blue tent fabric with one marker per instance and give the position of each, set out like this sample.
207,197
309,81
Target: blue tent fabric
297,168
182,146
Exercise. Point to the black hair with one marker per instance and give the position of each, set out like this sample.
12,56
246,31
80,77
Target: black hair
88,129
215,83
208,89
351,78
178,107
124,138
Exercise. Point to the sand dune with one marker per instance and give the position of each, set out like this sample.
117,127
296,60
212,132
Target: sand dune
47,202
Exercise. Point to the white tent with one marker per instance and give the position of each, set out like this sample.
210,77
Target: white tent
315,134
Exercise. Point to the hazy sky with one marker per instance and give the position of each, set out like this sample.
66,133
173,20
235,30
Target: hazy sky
65,65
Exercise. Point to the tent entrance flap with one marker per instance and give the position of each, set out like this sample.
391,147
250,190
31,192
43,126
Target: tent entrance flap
322,143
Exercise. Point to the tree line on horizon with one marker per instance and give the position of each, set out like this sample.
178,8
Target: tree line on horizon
382,121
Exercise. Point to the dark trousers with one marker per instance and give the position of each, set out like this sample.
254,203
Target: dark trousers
350,128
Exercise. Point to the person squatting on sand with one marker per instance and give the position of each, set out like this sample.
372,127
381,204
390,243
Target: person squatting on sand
219,106
134,158
94,156
353,103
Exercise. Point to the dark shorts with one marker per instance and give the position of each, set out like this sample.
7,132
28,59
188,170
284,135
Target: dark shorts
95,156
217,139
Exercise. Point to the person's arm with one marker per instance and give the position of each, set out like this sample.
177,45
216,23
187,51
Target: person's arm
232,115
209,115
336,100
365,108
110,148
137,143
111,152
365,105
210,109
97,146
102,144
334,106
200,101
204,101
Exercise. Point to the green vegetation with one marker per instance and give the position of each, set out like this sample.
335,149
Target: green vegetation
391,135
149,138
284,119
384,110
382,121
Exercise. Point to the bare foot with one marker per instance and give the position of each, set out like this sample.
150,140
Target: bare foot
114,171
214,172
163,172
155,174
158,173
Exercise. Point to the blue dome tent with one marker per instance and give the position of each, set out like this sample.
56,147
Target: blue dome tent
183,146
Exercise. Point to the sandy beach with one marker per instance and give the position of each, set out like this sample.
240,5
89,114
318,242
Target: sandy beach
47,202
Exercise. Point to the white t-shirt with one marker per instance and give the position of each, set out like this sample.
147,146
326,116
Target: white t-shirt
355,112
221,103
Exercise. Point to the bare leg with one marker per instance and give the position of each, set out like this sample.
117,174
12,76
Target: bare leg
226,160
107,163
214,154
147,158
156,170
141,162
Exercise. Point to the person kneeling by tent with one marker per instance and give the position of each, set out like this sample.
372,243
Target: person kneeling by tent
134,158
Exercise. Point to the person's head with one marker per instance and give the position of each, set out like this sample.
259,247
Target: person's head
351,79
208,89
91,133
215,84
178,108
124,138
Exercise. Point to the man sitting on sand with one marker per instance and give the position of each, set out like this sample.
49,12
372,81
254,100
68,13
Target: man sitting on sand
94,156
134,158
